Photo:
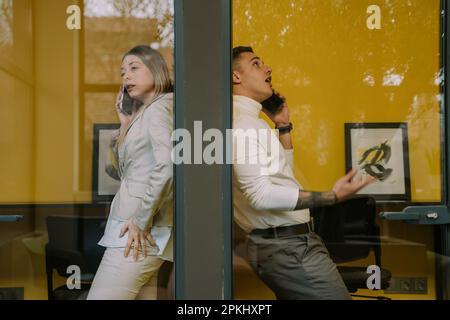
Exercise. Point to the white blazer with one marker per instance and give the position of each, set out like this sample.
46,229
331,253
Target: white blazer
146,173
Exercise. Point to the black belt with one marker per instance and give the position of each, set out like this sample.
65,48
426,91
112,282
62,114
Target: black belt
288,231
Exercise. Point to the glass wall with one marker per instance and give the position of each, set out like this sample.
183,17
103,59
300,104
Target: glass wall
60,66
363,82
358,78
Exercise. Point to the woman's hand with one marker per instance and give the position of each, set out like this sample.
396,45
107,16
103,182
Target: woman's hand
123,118
137,238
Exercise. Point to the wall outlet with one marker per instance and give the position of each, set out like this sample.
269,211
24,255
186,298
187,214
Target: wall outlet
408,286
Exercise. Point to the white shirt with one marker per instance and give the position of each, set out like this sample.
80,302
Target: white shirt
262,198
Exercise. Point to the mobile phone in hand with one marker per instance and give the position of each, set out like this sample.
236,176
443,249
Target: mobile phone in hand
127,103
272,104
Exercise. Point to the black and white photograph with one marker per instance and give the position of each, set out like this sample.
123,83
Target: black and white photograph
105,178
381,151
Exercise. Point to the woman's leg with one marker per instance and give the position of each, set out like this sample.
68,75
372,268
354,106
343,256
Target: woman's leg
149,291
160,285
120,278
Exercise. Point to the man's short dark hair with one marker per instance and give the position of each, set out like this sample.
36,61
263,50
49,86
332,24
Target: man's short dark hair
237,51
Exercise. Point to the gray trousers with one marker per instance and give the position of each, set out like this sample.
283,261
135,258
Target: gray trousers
296,268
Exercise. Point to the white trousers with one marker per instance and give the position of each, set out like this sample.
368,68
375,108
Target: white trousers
120,278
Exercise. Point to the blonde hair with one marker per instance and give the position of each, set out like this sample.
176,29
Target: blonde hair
154,61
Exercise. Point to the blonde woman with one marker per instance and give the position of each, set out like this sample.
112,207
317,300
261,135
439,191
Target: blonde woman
138,234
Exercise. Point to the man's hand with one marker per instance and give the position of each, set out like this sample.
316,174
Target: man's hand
345,187
281,118
136,237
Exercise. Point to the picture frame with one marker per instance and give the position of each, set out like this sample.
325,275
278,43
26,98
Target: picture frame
104,182
380,150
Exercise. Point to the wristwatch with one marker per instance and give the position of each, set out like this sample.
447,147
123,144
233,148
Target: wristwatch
285,129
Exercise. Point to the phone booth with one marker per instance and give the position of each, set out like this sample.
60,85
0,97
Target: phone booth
367,89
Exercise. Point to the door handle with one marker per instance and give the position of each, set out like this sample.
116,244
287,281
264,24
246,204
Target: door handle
420,215
10,218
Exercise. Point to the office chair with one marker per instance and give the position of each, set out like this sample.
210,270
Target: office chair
73,241
349,232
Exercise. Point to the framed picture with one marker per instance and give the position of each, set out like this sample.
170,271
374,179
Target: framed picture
105,181
380,150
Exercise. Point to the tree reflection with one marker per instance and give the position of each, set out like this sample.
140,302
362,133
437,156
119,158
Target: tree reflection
334,69
6,20
112,27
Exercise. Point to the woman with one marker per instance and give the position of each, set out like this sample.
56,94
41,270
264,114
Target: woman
141,218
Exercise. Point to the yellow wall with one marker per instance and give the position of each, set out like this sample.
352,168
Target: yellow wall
39,76
331,68
47,129
16,105
56,102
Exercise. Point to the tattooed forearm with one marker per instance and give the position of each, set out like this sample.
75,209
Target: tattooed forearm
308,199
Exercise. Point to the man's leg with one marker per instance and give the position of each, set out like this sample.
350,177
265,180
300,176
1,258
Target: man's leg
297,268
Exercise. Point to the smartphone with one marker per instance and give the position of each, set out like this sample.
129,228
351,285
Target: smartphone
127,104
272,104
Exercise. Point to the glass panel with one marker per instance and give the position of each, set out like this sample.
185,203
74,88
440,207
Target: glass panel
6,23
97,111
18,154
16,138
111,26
15,38
59,117
111,29
378,68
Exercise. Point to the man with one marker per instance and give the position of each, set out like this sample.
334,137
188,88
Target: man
270,205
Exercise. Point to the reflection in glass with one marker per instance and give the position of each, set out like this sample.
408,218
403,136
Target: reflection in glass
6,17
138,232
48,115
112,25
392,73
334,70
112,28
